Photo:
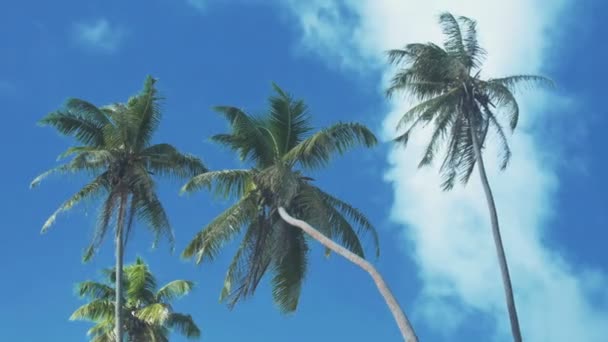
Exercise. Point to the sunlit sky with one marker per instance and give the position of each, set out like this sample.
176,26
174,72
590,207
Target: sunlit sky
436,249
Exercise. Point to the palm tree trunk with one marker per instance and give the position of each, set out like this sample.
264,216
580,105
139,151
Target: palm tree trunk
407,331
502,259
118,319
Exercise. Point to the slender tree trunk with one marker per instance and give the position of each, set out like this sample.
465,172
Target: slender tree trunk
118,319
407,331
502,259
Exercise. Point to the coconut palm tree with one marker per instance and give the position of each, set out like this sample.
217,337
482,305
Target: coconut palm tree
462,107
114,149
147,310
281,146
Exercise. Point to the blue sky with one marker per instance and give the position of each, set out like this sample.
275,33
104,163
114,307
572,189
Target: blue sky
435,254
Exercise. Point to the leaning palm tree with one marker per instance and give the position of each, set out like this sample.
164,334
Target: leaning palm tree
114,149
463,107
281,147
147,310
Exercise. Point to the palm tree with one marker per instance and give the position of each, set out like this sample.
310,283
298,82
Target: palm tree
114,148
281,147
462,107
148,313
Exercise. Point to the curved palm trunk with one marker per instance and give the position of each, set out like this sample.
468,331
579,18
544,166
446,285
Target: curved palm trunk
407,331
502,259
118,319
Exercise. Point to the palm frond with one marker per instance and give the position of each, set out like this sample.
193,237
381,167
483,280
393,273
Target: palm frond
206,243
124,130
443,121
96,310
89,161
184,324
164,159
449,166
151,211
82,125
427,110
95,290
247,137
103,224
454,42
365,227
103,331
516,82
427,67
289,268
343,232
413,52
472,48
173,290
92,152
224,183
317,150
502,97
466,158
154,314
311,206
408,81
91,189
250,262
86,109
141,284
289,120
505,151
145,111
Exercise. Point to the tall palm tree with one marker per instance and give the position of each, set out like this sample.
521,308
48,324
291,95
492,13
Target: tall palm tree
148,313
462,107
281,147
114,149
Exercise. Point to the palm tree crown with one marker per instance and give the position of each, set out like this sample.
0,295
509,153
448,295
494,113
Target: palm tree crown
280,146
446,80
148,313
114,148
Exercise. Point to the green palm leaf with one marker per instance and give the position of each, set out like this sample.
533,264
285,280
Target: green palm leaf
154,314
247,138
97,310
522,81
166,160
317,150
90,190
289,120
173,290
184,325
289,268
95,290
145,113
207,243
84,129
224,183
354,215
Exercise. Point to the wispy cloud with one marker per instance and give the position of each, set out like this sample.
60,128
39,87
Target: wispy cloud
200,5
99,35
450,231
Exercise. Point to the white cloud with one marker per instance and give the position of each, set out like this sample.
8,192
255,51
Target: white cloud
100,35
450,231
200,5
